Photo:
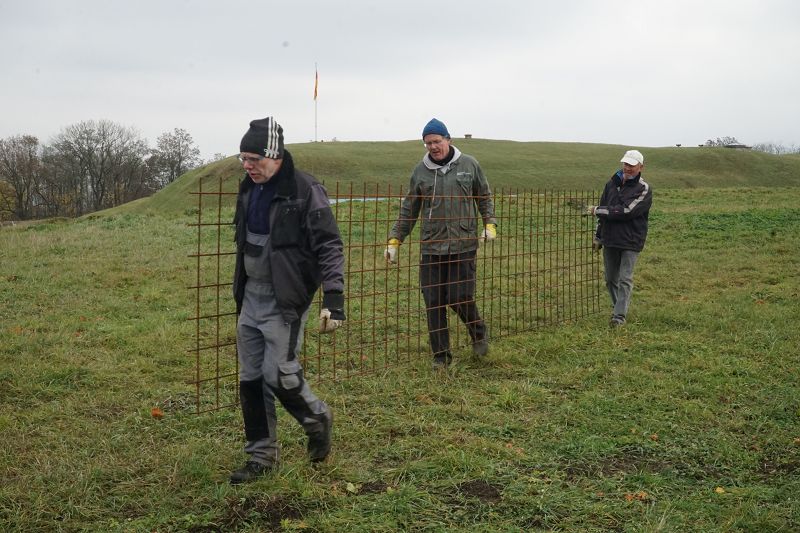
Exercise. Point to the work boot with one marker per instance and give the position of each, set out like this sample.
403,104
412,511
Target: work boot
319,443
616,321
250,471
442,360
480,348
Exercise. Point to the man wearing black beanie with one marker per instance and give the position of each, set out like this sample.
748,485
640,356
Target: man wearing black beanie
287,245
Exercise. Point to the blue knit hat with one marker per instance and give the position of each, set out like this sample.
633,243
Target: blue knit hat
435,127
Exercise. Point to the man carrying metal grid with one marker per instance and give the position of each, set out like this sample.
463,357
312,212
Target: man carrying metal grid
448,190
622,230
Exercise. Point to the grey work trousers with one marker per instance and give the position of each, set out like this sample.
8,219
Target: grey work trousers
268,349
619,266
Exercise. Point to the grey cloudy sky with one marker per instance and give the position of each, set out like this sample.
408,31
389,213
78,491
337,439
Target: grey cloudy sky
633,72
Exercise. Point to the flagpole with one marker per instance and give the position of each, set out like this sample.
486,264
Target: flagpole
316,81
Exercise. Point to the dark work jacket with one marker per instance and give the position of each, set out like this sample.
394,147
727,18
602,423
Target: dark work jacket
623,212
305,249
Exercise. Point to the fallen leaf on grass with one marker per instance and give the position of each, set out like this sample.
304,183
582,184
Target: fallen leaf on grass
515,449
156,412
351,488
654,437
641,496
424,399
797,441
719,490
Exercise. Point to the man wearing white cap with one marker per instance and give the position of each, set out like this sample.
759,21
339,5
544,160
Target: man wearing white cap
622,229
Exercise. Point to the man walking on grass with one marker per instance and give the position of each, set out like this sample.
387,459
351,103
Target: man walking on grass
622,230
449,192
287,245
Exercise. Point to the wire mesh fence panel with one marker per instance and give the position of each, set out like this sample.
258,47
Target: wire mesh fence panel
539,272
216,365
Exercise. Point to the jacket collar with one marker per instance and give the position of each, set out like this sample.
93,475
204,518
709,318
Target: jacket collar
429,163
618,178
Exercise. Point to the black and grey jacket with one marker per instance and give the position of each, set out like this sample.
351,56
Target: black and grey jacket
305,249
623,212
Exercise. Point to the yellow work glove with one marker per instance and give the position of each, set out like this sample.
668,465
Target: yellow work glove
489,232
390,253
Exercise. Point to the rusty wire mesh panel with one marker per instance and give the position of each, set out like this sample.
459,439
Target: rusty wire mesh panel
216,364
538,272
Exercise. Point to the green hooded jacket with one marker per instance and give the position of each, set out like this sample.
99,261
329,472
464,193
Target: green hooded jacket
449,199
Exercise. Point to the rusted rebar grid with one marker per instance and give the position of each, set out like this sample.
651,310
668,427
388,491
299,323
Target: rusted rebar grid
539,272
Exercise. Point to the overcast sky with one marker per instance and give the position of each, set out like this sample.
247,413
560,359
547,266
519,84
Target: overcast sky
633,72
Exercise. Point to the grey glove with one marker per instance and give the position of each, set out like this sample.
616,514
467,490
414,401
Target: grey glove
327,322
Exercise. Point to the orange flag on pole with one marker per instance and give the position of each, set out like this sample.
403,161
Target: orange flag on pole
316,83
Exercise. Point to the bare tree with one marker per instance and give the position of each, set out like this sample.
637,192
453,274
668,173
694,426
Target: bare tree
105,163
63,184
20,165
175,154
776,149
722,141
7,201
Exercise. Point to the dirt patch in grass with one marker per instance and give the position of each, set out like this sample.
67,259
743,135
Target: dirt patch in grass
777,466
267,512
633,460
484,491
373,487
627,461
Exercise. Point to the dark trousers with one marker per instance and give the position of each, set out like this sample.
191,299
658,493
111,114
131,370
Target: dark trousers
449,281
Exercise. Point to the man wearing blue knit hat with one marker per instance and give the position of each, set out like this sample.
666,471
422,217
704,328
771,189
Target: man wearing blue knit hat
449,192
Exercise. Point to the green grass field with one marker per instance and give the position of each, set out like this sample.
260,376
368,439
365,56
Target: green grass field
687,419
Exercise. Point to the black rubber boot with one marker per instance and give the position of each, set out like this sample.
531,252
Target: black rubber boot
319,443
442,360
250,471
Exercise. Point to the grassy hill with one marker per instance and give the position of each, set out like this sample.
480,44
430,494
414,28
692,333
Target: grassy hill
508,165
687,419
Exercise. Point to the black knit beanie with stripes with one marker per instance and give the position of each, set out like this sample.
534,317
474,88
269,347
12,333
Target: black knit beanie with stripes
265,137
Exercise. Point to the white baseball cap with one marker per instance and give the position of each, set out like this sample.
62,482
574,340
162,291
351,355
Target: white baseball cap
633,157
